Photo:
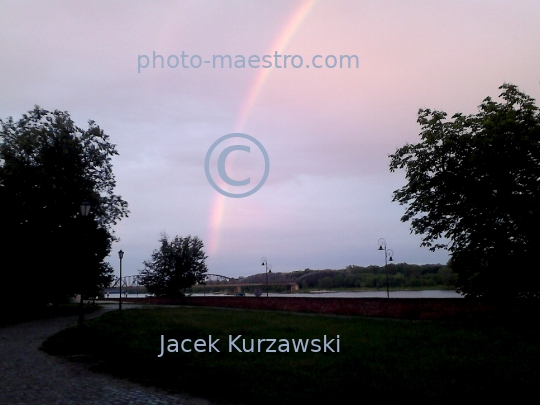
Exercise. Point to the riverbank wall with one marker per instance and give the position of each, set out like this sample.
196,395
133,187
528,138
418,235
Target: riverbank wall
404,308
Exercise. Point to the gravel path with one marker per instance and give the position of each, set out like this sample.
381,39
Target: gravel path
31,377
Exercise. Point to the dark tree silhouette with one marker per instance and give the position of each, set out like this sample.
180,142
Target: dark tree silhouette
473,187
48,167
177,264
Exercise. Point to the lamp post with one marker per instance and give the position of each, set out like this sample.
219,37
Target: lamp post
267,270
388,253
121,256
85,210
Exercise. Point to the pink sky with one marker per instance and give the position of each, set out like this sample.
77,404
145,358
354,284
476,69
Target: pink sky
328,132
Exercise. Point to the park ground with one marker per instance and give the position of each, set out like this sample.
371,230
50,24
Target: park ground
28,376
380,361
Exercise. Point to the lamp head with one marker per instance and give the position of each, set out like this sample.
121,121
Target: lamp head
85,208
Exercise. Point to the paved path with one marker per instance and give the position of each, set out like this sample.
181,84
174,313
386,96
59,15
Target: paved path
31,377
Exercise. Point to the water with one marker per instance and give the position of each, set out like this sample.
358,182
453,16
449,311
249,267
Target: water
347,294
116,295
382,294
361,294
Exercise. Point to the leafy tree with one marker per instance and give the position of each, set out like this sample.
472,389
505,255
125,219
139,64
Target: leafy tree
48,167
177,264
446,275
473,188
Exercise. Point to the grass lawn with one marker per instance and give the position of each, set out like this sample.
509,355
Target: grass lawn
379,361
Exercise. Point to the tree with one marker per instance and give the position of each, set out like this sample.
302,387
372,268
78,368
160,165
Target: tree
48,167
177,264
473,188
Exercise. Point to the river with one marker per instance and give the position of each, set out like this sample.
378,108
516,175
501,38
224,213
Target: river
344,294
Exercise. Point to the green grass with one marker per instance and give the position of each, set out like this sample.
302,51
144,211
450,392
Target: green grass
380,361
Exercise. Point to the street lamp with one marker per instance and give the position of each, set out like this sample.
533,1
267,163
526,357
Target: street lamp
85,210
268,269
388,253
121,256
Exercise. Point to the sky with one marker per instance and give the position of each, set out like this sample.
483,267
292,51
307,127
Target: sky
327,131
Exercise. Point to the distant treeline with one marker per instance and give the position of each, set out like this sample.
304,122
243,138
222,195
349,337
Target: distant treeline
399,275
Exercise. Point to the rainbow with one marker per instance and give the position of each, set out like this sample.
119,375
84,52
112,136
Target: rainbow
286,34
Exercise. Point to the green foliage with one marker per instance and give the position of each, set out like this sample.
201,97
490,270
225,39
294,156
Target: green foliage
177,264
472,188
48,167
400,275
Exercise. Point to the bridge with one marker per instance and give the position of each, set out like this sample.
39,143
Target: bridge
129,284
132,284
274,279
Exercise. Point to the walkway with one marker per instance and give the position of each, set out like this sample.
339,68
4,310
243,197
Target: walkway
31,377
